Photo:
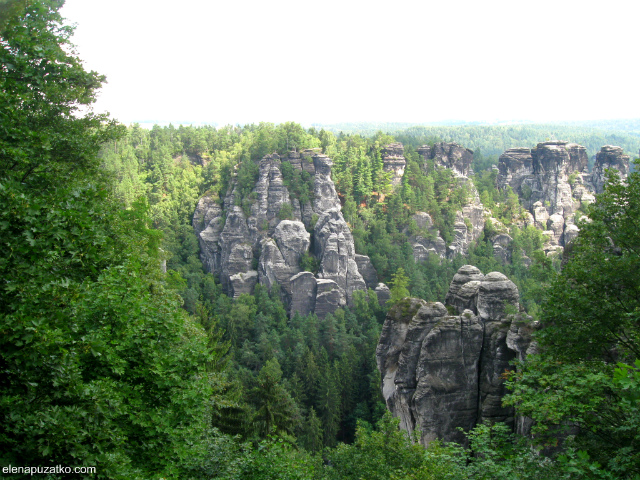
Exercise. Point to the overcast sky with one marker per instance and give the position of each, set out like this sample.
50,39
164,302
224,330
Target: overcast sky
329,61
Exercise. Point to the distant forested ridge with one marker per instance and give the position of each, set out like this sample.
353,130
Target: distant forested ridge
492,140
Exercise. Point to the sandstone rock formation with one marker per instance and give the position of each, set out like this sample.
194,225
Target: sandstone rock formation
246,244
442,371
552,181
428,241
394,162
609,157
501,250
469,222
449,155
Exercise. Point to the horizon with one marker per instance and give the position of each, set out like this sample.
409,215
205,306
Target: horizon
590,123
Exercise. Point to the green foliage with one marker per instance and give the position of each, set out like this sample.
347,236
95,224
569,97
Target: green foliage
603,265
399,284
497,453
286,212
276,411
273,458
42,86
574,381
572,178
299,183
309,263
382,454
389,453
99,365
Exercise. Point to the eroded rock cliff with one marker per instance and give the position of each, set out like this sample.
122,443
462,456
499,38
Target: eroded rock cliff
469,222
251,240
553,181
394,162
609,157
442,367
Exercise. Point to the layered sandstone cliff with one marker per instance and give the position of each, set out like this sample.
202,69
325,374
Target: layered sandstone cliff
552,181
442,367
245,247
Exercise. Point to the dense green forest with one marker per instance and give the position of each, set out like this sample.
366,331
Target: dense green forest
106,361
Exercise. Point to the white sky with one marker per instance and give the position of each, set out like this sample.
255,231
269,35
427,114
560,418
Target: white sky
240,61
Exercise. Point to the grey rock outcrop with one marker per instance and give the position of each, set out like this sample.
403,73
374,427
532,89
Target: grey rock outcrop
367,270
208,224
329,297
245,241
441,371
393,162
463,290
495,294
336,252
243,282
468,226
293,240
609,157
325,196
303,293
542,174
303,161
469,222
449,155
273,269
501,248
552,182
383,293
428,241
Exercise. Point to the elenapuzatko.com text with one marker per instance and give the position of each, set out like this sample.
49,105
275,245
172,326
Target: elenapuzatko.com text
48,470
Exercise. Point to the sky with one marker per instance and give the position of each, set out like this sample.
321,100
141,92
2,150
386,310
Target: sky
330,61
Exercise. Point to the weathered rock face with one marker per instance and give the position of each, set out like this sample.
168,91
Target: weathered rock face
208,224
367,270
394,162
383,293
428,241
468,226
246,244
336,252
501,251
304,291
609,157
542,174
552,181
449,155
441,372
325,196
515,170
463,290
469,222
